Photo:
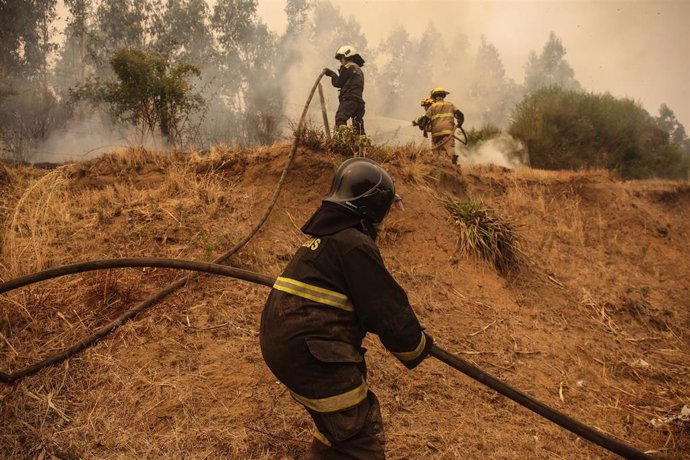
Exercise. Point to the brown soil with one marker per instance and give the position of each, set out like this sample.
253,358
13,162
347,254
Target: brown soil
594,322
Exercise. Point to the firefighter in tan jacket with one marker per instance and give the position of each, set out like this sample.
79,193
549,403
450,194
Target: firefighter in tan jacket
420,121
441,120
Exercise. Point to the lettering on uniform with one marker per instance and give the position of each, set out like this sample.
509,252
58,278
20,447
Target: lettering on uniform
312,244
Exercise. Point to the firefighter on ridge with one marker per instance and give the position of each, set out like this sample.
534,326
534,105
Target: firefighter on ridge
441,119
350,81
426,103
335,289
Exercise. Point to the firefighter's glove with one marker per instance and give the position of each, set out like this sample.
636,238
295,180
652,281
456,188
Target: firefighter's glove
460,117
329,72
415,123
429,341
426,134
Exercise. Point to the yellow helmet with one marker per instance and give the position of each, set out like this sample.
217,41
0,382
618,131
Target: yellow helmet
439,91
427,101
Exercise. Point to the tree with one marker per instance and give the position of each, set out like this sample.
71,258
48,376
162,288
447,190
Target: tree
567,129
550,68
70,69
395,87
28,108
297,12
492,95
668,122
119,24
151,91
182,26
25,38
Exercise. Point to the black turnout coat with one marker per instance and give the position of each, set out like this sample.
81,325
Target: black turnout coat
335,290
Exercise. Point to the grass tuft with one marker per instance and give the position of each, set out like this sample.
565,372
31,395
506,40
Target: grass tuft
483,234
311,136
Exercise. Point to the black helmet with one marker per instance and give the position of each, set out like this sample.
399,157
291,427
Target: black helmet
363,186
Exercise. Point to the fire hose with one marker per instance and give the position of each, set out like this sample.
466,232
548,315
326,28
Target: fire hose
174,286
607,442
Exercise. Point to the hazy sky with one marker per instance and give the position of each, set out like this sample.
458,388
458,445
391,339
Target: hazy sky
636,49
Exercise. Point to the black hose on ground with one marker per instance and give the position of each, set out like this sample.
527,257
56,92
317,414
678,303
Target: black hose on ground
559,418
154,299
570,424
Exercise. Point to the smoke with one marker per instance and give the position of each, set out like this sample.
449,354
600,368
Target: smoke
411,47
502,150
86,138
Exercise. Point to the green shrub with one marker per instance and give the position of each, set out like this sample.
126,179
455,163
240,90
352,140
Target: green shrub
152,91
486,132
347,142
574,130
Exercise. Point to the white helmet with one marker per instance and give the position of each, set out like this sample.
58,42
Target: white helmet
350,53
345,51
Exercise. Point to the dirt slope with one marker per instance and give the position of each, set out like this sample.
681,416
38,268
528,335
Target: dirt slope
595,322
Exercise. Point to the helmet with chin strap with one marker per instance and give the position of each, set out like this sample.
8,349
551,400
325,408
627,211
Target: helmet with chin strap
364,187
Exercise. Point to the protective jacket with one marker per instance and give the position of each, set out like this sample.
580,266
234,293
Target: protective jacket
335,290
350,80
442,116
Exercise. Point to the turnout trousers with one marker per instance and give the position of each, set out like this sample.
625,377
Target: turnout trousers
349,109
348,434
447,149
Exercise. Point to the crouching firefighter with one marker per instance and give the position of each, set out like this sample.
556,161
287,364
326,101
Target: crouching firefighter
335,289
441,120
350,81
421,122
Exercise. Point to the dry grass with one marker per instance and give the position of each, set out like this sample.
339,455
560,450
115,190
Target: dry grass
484,235
5,177
312,136
186,379
31,230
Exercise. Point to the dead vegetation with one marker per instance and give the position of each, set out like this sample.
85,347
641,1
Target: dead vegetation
482,234
602,337
4,175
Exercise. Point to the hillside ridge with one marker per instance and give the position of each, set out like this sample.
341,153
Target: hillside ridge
593,322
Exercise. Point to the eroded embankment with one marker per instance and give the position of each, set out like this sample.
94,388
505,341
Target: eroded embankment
594,322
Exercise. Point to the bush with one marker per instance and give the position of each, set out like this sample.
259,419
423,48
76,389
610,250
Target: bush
311,136
28,114
486,132
483,234
152,91
575,130
347,142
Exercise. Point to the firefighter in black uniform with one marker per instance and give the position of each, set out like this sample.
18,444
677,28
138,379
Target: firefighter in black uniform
350,81
335,290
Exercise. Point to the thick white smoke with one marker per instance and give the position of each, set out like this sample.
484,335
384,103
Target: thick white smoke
502,150
84,138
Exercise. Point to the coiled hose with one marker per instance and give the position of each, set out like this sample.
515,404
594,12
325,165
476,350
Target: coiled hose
570,424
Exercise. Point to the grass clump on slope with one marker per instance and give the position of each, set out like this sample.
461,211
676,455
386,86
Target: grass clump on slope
483,234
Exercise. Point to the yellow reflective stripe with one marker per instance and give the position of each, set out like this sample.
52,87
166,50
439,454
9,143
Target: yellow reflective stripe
334,403
442,133
315,293
414,354
322,439
441,115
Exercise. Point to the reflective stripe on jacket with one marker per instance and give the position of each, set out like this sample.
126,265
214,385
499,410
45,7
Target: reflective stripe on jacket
441,114
335,290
